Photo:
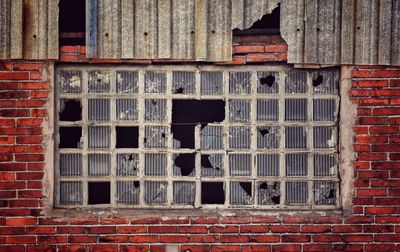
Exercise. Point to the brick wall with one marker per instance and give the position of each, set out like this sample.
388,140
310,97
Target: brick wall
373,224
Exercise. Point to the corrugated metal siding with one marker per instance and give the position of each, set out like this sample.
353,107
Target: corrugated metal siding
363,32
29,29
177,29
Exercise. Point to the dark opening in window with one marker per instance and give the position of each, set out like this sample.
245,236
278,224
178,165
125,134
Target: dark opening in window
99,193
72,26
269,24
127,137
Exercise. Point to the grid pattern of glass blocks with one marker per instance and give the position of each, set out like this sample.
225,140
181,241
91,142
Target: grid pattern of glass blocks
254,137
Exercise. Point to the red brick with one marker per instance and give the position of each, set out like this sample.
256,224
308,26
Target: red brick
386,111
33,85
204,220
265,238
102,230
69,49
280,56
276,48
14,75
14,112
380,247
315,229
29,157
372,139
225,248
248,49
162,229
20,239
12,248
131,229
21,221
234,238
378,228
346,229
260,57
319,247
146,221
360,74
385,73
31,104
373,83
372,120
372,156
238,60
103,248
285,228
193,229
327,238
395,83
143,238
286,248
224,229
27,67
235,220
371,192
114,239
82,239
203,238
254,229
174,238
29,175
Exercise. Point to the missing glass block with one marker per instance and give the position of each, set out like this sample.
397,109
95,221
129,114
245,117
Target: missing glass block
212,193
99,193
127,137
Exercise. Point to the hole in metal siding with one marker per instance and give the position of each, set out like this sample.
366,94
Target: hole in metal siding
71,164
325,192
99,109
267,82
128,192
127,137
183,82
241,193
267,165
70,81
324,110
269,193
239,110
99,81
184,192
99,164
155,164
70,192
127,82
212,165
325,165
212,193
296,192
155,192
267,110
155,109
240,164
99,137
296,82
155,82
296,164
70,137
324,137
211,83
239,82
99,193
127,164
70,110
296,109
127,110
268,137
239,137
295,137
184,164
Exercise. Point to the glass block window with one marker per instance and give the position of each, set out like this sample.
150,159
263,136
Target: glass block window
180,137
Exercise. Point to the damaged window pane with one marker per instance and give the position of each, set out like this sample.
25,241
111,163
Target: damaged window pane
156,136
325,165
295,137
99,137
155,82
155,109
239,137
296,164
211,83
240,164
268,137
184,164
99,164
127,110
99,81
128,192
324,137
71,164
211,137
296,109
212,193
241,193
267,165
296,82
324,110
183,82
70,110
239,82
267,82
239,110
325,192
155,164
325,82
99,193
70,192
212,165
127,164
155,192
99,109
127,82
184,192
70,81
70,137
296,192
267,110
269,193
127,137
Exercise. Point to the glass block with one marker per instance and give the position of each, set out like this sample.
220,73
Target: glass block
99,109
211,83
240,164
241,193
99,164
70,192
127,82
239,110
212,165
127,110
325,165
99,137
239,82
324,137
296,109
155,83
156,136
267,82
99,81
268,137
128,192
295,137
267,110
70,164
325,192
70,81
155,109
296,164
269,192
267,165
155,164
212,138
184,192
324,110
239,137
296,192
155,192
325,82
183,82
296,82
127,164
